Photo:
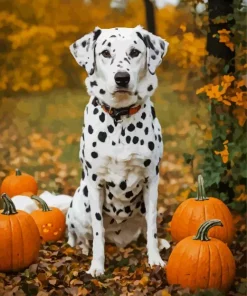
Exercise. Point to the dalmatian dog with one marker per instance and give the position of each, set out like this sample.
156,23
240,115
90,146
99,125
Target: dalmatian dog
121,143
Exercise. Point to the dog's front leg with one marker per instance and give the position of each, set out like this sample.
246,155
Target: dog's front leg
150,200
96,203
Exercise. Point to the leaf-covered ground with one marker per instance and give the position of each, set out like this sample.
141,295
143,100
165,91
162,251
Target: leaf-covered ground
40,135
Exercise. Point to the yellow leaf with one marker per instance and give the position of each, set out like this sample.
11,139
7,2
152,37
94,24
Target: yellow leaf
144,280
165,293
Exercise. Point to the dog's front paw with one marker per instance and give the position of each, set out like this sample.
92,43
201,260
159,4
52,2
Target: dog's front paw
96,269
155,259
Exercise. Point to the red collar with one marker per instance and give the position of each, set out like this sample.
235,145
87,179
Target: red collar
116,113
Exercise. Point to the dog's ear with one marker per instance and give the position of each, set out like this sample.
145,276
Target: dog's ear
83,50
156,48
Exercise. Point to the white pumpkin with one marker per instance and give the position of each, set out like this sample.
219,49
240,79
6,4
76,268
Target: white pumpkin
24,203
61,201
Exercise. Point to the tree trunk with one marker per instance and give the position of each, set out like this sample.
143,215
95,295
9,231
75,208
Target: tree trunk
219,8
150,16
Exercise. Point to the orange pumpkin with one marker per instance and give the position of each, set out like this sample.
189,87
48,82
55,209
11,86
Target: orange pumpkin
19,238
194,211
201,262
18,183
50,221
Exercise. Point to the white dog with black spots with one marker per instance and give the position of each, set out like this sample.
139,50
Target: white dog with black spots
121,144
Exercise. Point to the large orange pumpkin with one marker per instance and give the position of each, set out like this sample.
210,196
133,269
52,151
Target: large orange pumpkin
50,221
201,262
19,238
194,211
18,183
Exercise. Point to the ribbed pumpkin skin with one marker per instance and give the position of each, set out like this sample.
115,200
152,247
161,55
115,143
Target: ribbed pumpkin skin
51,224
192,213
19,241
17,184
201,265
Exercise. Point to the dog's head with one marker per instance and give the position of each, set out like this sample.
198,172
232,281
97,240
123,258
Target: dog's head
121,63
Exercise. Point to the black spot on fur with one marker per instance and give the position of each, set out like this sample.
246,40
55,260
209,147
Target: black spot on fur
114,208
123,185
113,36
98,216
143,115
150,88
71,204
155,235
96,34
106,209
90,129
97,233
135,140
94,154
72,225
85,191
112,221
147,162
110,128
102,91
119,211
142,142
102,136
139,124
157,170
128,139
153,57
75,45
159,137
117,232
95,111
88,164
129,194
88,209
143,208
113,143
104,42
109,44
93,83
146,131
102,117
127,209
131,127
162,45
94,144
127,60
84,43
110,195
135,42
153,112
111,184
94,177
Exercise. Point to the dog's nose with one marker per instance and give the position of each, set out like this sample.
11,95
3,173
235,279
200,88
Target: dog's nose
122,78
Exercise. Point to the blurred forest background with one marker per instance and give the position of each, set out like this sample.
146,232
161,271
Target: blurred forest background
200,102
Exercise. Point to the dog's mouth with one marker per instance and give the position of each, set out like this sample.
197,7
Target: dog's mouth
122,91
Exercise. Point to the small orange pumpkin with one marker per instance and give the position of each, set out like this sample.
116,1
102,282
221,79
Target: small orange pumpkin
50,221
201,262
194,211
19,238
18,183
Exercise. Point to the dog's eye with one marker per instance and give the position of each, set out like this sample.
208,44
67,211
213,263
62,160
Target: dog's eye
106,54
134,53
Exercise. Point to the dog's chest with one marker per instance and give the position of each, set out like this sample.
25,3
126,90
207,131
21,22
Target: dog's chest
121,156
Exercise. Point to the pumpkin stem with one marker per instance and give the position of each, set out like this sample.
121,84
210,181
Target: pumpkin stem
43,204
202,233
18,172
8,206
201,194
